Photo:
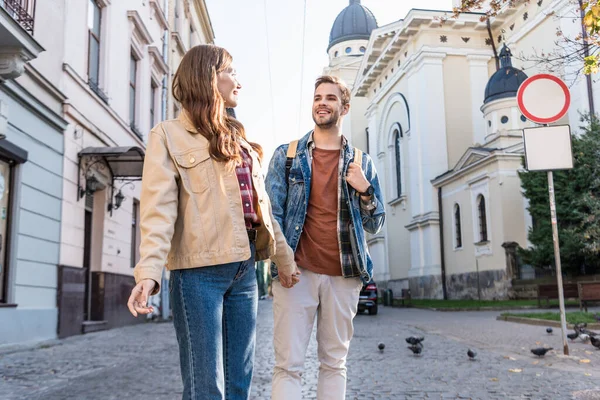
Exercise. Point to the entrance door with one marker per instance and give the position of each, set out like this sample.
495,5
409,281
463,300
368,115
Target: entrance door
87,252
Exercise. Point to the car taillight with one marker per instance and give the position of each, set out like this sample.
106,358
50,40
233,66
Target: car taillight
371,287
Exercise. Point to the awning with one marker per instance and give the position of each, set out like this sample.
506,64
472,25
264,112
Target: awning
122,162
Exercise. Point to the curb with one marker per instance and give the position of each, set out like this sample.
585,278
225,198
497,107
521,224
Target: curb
540,322
475,308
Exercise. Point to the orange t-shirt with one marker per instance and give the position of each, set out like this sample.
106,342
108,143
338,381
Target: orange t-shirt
318,249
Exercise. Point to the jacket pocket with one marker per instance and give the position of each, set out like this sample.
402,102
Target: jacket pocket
194,167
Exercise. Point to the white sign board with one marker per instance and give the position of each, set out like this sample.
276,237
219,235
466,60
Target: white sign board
548,148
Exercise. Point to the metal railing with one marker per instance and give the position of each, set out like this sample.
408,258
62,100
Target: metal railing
94,86
136,130
22,11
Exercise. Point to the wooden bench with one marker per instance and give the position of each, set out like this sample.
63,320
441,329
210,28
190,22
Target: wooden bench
404,296
550,291
588,291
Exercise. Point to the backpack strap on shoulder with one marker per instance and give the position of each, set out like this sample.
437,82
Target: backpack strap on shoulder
291,154
358,154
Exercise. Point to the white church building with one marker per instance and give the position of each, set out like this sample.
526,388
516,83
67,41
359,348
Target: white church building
434,104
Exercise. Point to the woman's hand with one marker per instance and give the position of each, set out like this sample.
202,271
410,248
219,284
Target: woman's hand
138,300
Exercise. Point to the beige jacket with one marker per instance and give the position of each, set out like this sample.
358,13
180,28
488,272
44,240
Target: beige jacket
191,209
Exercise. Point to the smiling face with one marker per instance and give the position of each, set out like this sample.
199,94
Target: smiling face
327,105
228,86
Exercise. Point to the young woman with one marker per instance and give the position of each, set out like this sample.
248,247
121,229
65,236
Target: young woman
205,214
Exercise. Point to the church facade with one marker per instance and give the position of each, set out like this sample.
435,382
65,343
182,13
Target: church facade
434,104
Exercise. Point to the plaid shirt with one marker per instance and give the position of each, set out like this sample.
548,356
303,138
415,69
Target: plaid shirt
349,264
244,176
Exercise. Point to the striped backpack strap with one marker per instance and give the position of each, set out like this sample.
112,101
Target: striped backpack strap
291,154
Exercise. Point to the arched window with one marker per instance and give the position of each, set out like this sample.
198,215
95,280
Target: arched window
398,158
457,227
483,233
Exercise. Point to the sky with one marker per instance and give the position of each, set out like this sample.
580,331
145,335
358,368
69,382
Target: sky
265,39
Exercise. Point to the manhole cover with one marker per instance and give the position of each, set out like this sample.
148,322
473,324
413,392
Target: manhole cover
587,395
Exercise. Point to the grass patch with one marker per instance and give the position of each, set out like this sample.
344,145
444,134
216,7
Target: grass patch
449,304
572,317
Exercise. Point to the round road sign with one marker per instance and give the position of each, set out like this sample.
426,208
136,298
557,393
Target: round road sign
543,98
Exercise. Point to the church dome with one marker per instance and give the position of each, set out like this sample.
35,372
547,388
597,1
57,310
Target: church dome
355,22
506,81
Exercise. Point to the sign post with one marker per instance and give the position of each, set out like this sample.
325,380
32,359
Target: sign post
545,99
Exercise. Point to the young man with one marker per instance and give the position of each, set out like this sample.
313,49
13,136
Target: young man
324,203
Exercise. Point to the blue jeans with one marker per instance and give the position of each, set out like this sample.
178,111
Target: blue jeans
214,312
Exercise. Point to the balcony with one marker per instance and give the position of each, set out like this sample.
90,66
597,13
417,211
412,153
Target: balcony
17,45
22,11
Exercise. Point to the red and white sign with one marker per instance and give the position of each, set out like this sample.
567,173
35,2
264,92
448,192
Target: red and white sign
544,98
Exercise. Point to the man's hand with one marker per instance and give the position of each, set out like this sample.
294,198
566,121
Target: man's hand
138,300
289,276
356,178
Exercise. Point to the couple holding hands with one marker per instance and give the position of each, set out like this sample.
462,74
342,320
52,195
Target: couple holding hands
208,215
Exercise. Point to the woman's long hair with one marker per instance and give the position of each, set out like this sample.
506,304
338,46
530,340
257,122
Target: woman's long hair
195,87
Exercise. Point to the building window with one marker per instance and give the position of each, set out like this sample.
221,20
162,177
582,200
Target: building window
336,53
6,174
134,232
94,22
348,50
398,158
483,231
133,93
363,49
153,90
504,119
457,227
192,36
367,134
94,27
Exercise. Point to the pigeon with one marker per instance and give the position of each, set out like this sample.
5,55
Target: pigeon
541,351
472,354
595,342
413,340
584,337
416,348
549,331
588,332
381,346
573,336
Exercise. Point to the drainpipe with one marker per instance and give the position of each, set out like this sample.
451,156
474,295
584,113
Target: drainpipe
443,261
586,52
166,60
489,29
164,298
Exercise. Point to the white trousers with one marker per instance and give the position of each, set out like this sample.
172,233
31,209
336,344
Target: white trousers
333,300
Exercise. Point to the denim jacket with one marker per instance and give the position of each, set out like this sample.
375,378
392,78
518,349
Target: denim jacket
290,199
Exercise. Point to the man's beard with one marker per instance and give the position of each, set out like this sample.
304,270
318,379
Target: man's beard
333,119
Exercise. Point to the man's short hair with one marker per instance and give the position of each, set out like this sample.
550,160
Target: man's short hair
336,81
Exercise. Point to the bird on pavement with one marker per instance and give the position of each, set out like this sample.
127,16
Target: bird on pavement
584,337
472,354
381,346
588,332
573,335
595,342
416,349
413,340
541,351
549,331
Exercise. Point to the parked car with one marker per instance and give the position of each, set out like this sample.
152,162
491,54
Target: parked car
368,298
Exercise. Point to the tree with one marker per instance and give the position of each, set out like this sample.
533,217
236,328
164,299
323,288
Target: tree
577,205
584,48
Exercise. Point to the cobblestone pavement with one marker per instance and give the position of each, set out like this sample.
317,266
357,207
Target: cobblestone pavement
141,362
